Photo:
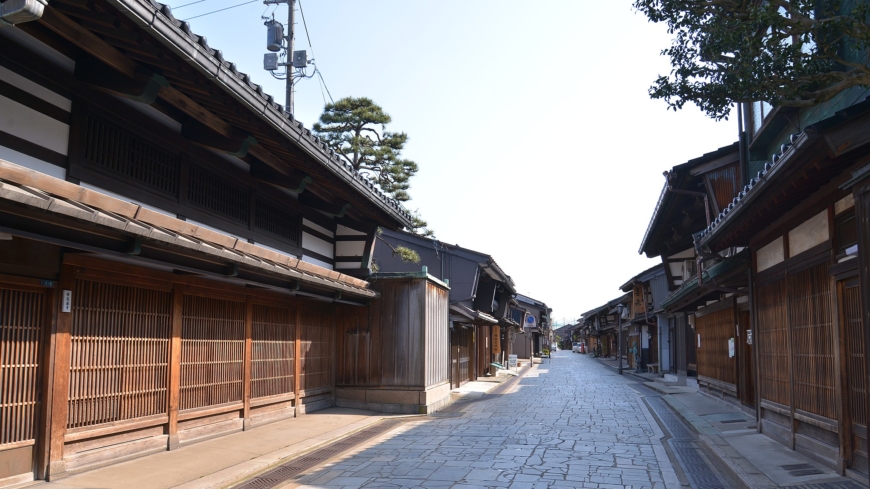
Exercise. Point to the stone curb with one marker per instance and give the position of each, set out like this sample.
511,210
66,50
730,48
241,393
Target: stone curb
740,469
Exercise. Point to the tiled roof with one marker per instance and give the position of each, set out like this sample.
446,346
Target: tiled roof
156,11
28,187
747,191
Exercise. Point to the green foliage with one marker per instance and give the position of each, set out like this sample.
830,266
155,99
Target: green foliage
356,128
420,227
795,53
406,254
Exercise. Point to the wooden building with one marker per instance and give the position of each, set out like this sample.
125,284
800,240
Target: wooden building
534,335
648,289
602,324
803,215
393,356
174,247
692,193
481,298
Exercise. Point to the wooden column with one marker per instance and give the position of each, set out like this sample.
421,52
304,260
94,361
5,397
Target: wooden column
175,366
46,360
297,363
246,375
60,389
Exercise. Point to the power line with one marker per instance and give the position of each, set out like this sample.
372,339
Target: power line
186,4
220,10
311,46
306,28
324,84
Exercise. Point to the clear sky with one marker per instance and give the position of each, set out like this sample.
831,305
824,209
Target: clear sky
530,121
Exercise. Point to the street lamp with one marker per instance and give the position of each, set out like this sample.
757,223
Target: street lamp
619,309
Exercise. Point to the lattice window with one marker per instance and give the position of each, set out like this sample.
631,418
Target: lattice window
212,351
274,220
119,359
118,151
772,342
214,193
273,345
21,314
317,344
812,329
725,183
855,354
846,231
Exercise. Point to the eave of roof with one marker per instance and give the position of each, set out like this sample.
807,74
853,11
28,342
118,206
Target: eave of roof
28,187
756,186
664,196
709,274
485,261
157,19
648,274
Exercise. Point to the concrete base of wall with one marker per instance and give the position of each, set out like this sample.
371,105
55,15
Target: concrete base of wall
395,401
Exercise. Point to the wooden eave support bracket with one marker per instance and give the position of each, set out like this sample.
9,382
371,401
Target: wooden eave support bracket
202,135
139,82
337,210
108,54
140,88
293,182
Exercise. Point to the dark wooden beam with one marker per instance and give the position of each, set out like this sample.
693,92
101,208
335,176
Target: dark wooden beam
108,54
295,182
140,88
309,200
197,133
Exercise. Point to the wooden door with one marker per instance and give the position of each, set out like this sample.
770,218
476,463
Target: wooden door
22,320
454,357
746,381
468,354
853,333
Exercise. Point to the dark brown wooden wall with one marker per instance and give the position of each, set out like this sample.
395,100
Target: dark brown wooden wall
716,328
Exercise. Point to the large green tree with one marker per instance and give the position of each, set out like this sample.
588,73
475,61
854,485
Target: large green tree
356,128
794,53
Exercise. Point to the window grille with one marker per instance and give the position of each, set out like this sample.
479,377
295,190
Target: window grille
279,222
119,357
211,192
21,314
117,151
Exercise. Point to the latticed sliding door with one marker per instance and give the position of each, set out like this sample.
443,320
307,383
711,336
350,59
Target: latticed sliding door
716,329
274,342
212,352
856,378
812,330
119,357
21,321
772,339
317,346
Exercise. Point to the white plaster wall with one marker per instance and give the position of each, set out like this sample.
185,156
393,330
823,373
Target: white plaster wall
28,124
770,254
812,232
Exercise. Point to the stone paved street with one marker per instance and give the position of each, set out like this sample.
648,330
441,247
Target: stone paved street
571,422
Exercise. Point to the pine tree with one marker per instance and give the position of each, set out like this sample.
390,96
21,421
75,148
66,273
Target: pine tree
356,128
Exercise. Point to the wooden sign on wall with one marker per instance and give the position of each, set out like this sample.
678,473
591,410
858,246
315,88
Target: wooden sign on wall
496,340
638,301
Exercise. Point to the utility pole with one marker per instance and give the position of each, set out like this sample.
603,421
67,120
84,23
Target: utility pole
291,4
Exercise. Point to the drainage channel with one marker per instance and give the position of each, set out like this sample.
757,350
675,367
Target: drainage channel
296,466
683,443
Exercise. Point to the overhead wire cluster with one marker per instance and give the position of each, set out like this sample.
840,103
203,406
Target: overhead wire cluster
300,72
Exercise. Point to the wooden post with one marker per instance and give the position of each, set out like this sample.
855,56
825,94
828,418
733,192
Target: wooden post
297,363
844,420
175,366
246,376
60,387
46,382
